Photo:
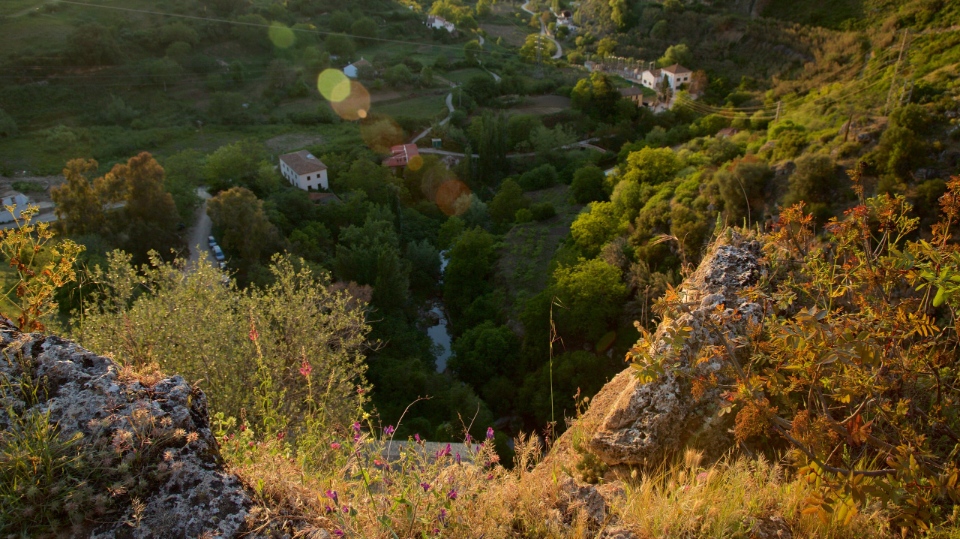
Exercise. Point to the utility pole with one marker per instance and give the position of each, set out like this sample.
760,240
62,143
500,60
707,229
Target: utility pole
896,73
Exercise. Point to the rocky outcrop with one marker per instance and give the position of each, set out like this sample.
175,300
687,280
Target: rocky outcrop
646,421
637,424
158,466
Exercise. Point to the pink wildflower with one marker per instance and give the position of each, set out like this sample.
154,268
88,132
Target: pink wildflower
425,486
389,430
305,369
335,445
453,494
489,433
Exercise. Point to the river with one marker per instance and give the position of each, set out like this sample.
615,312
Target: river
438,333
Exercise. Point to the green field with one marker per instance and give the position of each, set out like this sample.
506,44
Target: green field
421,107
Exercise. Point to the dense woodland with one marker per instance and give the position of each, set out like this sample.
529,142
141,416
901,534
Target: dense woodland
555,255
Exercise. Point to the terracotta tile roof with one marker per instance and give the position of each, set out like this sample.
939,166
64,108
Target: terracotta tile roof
401,155
303,162
676,69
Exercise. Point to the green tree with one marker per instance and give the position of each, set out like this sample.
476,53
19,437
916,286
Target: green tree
508,200
340,21
78,207
164,71
596,96
814,181
587,185
365,28
595,227
676,54
253,33
398,75
743,183
94,44
340,45
150,214
484,352
472,51
471,263
237,163
242,224
370,255
606,46
652,165
592,293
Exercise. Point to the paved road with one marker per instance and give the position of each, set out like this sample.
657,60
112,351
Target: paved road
200,230
544,33
444,121
579,144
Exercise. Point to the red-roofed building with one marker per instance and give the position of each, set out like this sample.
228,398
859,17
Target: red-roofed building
402,155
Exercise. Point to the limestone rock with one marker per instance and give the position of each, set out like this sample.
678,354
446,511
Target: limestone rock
634,423
162,423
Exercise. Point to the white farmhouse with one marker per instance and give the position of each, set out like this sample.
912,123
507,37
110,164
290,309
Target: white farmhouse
304,170
675,76
18,200
435,21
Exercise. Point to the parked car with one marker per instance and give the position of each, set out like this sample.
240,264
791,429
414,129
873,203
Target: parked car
218,253
212,241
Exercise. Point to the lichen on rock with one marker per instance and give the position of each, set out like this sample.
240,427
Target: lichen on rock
158,460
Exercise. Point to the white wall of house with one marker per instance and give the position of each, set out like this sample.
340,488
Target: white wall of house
649,80
350,71
314,180
677,80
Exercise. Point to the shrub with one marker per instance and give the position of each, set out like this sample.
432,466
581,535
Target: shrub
541,177
587,185
542,211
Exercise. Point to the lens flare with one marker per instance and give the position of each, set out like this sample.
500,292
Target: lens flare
453,197
415,163
281,36
381,134
334,86
355,105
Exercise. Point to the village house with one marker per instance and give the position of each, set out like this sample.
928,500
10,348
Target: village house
565,18
12,198
636,95
353,70
401,155
437,22
676,75
304,170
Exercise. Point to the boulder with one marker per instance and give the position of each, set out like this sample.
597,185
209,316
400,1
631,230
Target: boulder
635,424
155,430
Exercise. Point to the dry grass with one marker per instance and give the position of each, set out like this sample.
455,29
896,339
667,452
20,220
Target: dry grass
358,495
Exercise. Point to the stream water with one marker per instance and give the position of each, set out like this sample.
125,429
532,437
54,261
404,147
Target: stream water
438,333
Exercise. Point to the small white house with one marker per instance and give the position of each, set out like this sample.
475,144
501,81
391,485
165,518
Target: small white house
651,78
675,75
18,200
435,21
353,70
304,170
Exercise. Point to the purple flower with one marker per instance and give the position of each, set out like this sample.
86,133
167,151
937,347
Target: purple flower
338,532
446,451
332,494
416,438
346,509
489,477
442,518
335,445
468,439
356,427
328,509
458,457
389,430
452,495
489,433
425,486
